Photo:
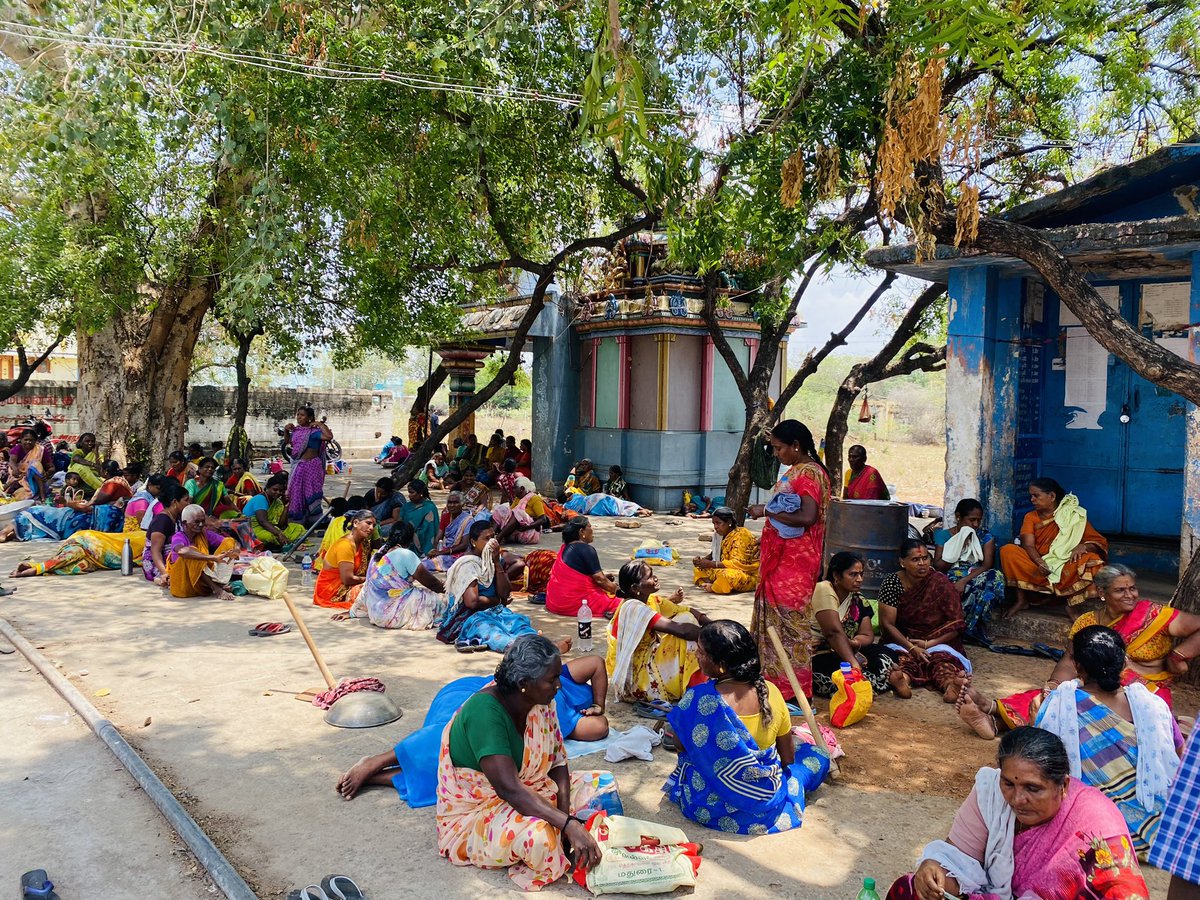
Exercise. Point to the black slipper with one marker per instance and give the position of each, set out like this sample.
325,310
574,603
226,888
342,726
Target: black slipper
37,884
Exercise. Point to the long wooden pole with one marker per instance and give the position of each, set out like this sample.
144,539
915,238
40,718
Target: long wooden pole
325,673
802,700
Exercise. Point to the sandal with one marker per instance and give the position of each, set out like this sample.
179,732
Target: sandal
655,709
36,883
342,887
538,599
269,629
464,647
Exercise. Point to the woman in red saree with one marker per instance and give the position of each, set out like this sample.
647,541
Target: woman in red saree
1028,829
789,567
576,574
921,616
1150,631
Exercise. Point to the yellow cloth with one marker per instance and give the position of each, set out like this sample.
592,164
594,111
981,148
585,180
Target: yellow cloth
739,565
1071,519
87,475
765,734
535,506
335,532
663,665
185,573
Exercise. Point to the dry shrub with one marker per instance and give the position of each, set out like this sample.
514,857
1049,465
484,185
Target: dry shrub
829,171
967,216
914,133
793,180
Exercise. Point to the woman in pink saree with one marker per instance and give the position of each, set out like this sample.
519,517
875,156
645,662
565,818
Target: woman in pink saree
790,555
306,486
1029,830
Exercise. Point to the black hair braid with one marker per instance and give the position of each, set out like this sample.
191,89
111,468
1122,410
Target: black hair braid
764,698
750,672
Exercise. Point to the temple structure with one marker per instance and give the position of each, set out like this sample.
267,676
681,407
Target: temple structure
628,375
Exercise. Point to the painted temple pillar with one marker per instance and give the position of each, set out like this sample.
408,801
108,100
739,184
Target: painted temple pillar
461,368
1190,537
663,342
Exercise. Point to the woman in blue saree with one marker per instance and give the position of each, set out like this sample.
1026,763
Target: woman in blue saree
57,523
453,540
739,768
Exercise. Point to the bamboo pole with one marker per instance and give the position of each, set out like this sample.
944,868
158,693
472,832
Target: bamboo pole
802,700
325,673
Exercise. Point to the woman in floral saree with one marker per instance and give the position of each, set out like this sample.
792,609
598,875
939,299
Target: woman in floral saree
306,487
399,592
739,768
790,557
505,740
732,566
1028,829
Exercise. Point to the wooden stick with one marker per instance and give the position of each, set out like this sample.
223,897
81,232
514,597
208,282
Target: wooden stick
346,492
325,673
802,700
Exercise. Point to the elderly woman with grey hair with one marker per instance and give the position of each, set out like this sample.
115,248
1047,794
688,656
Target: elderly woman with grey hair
452,539
505,796
196,553
524,519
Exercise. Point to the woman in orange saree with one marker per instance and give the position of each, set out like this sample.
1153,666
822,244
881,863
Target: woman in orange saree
1059,551
790,566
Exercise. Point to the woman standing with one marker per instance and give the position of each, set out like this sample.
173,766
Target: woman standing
345,567
790,566
306,487
844,621
966,554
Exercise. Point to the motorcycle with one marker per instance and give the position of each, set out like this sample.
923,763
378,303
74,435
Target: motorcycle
14,433
333,450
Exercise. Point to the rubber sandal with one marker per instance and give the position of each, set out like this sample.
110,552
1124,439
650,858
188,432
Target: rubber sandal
342,887
539,598
655,709
36,883
314,892
464,646
1047,651
8,592
479,645
269,629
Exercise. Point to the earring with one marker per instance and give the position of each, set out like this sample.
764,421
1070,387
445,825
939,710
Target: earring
522,690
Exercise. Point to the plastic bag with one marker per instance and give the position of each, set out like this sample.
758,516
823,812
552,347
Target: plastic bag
850,701
655,553
266,577
639,857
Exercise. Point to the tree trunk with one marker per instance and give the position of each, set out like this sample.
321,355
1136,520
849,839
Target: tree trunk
838,425
241,404
426,391
737,490
133,373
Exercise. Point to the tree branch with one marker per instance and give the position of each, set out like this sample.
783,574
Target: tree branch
25,369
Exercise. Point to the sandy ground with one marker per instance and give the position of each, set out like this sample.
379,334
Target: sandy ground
257,768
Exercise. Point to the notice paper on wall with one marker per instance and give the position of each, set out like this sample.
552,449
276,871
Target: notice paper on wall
1166,307
1109,293
1086,394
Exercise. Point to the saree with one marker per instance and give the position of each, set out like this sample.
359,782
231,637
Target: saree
476,828
424,520
875,660
1147,643
866,485
788,572
1133,763
1075,582
241,490
724,780
89,476
184,574
925,612
588,483
506,512
645,664
738,556
306,484
495,627
1083,852
566,588
335,532
600,504
538,566
91,551
391,599
212,497
329,591
55,523
982,593
454,533
292,532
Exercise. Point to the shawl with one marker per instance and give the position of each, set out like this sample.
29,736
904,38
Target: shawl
470,568
963,549
633,619
995,874
1071,519
1157,761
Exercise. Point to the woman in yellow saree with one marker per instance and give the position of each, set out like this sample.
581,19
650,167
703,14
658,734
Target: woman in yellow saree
732,567
87,551
85,461
651,640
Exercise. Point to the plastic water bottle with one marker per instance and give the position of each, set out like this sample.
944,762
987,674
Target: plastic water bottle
868,891
306,578
847,672
584,624
127,558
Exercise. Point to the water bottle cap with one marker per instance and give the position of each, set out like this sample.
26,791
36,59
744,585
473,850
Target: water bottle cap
846,667
869,884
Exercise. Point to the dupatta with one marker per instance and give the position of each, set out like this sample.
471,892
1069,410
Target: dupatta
725,781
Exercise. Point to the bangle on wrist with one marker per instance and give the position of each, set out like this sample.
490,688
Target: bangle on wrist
1180,656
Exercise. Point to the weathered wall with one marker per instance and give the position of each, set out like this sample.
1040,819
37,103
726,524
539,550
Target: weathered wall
354,416
685,389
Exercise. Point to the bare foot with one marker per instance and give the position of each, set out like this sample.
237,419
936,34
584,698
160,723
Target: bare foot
900,683
981,723
563,645
351,783
956,687
23,570
707,588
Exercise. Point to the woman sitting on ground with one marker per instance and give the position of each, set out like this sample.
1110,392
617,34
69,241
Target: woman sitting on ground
966,554
27,476
525,458
1148,630
651,639
268,515
477,593
739,768
616,486
146,503
398,455
922,619
523,520
241,484
434,472
421,514
195,556
452,536
1120,740
1028,829
209,492
506,482
411,767
180,467
586,480
337,527
161,529
576,574
399,592
57,523
732,566
476,495
843,619
345,569
505,795
85,461
1059,550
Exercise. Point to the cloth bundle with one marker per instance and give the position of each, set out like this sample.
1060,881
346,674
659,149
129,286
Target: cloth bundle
326,699
639,857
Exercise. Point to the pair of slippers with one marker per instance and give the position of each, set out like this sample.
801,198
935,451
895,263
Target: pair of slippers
269,629
471,645
332,887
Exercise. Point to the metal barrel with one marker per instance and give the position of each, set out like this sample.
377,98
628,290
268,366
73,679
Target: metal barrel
871,528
